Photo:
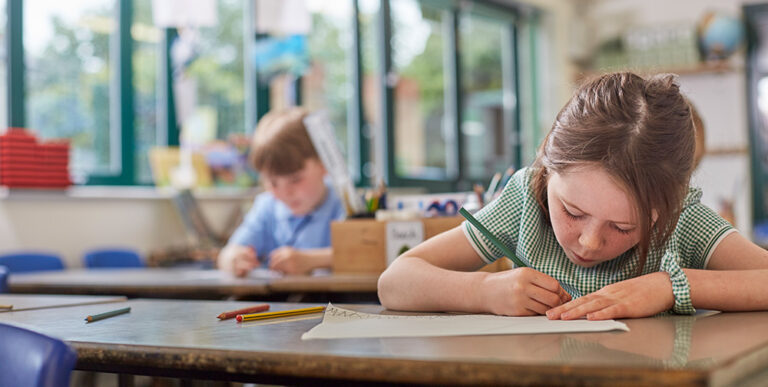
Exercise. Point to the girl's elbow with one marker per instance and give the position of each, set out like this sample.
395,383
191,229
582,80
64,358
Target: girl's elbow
383,287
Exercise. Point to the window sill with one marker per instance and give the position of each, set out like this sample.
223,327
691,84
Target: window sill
124,192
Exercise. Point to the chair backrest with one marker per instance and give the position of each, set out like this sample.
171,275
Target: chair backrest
29,358
31,261
3,279
112,258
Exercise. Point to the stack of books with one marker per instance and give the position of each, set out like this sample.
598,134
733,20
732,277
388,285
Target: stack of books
26,162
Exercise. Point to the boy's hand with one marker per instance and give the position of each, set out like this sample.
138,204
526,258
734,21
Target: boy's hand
636,297
238,260
523,292
288,260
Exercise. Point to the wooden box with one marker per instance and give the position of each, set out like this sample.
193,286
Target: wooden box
360,245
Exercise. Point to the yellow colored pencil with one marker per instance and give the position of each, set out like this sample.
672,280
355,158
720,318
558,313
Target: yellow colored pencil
6,306
280,313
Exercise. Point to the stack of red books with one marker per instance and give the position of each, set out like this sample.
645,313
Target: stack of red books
27,163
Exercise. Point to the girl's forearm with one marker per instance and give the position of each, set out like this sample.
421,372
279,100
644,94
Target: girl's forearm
729,290
411,283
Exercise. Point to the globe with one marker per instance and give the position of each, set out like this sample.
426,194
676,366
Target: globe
719,35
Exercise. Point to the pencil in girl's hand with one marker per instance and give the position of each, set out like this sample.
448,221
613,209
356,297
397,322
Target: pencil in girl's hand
102,316
504,249
250,309
281,313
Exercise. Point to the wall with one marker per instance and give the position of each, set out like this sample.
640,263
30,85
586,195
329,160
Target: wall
720,97
88,217
576,27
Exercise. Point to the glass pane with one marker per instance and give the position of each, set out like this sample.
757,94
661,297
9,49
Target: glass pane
66,50
417,61
146,45
3,62
485,134
369,47
216,68
326,84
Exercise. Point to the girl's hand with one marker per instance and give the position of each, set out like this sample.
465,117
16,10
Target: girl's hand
636,297
522,292
288,260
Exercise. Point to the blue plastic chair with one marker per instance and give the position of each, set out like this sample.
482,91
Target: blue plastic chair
112,258
30,261
29,358
3,279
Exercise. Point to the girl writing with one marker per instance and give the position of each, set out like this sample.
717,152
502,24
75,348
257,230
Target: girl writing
604,221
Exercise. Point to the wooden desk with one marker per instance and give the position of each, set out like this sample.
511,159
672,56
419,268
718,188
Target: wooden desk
184,339
182,283
334,283
144,282
33,301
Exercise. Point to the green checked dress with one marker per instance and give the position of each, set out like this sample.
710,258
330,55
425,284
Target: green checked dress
517,221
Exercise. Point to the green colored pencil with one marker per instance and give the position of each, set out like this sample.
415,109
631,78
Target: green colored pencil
494,240
101,316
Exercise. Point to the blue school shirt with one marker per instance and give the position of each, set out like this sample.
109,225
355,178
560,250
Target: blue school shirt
270,224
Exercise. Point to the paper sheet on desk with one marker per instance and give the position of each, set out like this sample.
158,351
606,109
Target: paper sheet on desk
341,323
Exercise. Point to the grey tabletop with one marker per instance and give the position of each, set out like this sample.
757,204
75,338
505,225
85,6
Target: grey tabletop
185,339
45,301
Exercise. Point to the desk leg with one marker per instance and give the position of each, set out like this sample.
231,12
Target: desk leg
125,380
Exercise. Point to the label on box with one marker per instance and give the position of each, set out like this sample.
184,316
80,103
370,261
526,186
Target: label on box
402,236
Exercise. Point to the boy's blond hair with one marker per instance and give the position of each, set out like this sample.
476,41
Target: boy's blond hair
281,144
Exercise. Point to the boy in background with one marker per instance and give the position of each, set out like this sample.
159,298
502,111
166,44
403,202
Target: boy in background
288,226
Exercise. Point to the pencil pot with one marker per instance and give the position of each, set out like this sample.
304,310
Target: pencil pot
368,246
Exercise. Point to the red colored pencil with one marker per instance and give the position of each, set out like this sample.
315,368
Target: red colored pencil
252,309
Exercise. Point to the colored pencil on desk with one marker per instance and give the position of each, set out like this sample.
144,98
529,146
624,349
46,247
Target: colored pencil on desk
504,249
102,316
251,309
281,313
6,306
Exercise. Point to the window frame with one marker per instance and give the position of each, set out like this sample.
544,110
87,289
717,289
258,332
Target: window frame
257,96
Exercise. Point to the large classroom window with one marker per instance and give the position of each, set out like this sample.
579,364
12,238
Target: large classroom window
421,92
488,122
147,40
423,136
68,65
3,64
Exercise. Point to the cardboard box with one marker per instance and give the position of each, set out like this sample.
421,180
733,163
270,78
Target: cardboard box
360,245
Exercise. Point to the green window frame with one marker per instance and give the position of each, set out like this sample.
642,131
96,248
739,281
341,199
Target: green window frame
361,150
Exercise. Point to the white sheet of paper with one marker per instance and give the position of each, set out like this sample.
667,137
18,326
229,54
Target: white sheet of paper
339,323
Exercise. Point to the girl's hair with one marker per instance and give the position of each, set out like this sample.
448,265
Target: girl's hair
698,126
640,131
281,144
